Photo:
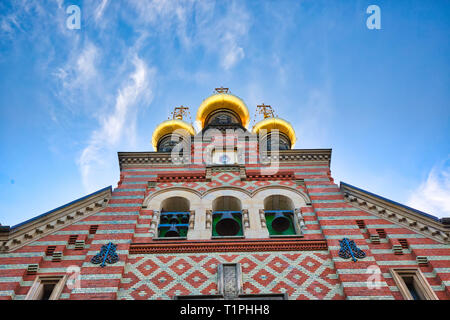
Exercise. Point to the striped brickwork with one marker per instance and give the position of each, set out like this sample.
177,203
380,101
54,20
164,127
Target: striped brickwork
338,219
301,274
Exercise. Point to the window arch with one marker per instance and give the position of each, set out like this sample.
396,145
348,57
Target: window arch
278,202
279,214
227,203
283,142
174,217
222,117
168,142
175,204
227,216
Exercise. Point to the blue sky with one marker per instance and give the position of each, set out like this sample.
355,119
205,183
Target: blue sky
71,99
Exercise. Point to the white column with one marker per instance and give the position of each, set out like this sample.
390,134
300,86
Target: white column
255,230
153,225
200,218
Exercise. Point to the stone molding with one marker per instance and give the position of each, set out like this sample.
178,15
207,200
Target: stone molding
251,194
55,220
181,178
133,159
229,245
295,155
397,214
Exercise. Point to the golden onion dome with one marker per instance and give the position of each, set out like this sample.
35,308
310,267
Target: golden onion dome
274,123
223,101
169,126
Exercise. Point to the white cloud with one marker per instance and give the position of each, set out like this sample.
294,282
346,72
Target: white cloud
433,195
218,30
85,64
100,9
80,68
232,53
224,34
116,125
9,23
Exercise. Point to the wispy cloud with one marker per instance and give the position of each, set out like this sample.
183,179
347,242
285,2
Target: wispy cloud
80,69
433,195
100,9
225,32
118,124
318,105
219,28
8,24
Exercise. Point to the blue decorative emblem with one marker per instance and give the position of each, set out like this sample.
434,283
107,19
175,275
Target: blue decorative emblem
349,249
107,255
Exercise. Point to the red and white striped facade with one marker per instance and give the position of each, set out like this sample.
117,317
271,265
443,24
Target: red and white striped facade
304,266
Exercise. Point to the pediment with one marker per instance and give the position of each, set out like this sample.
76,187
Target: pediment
397,213
12,238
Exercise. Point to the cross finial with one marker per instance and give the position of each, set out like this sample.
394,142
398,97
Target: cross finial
222,90
267,111
179,112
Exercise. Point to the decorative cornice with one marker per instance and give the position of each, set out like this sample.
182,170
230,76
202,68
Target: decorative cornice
397,213
185,177
127,159
54,220
295,155
229,245
132,159
225,168
280,176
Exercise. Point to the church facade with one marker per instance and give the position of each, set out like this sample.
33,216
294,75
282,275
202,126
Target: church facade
227,212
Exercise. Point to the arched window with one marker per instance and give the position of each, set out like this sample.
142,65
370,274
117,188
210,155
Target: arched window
279,212
166,143
283,142
227,217
223,117
175,204
174,218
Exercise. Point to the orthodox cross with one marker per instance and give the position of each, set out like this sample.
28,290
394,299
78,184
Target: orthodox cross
267,111
222,90
179,112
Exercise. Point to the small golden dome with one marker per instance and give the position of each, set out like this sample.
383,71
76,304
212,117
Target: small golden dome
273,123
223,101
168,127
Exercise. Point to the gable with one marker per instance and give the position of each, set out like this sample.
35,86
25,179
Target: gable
404,216
12,238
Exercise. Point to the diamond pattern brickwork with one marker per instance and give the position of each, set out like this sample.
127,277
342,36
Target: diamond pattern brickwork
228,179
302,275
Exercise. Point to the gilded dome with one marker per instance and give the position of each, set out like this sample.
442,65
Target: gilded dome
279,124
168,127
223,101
